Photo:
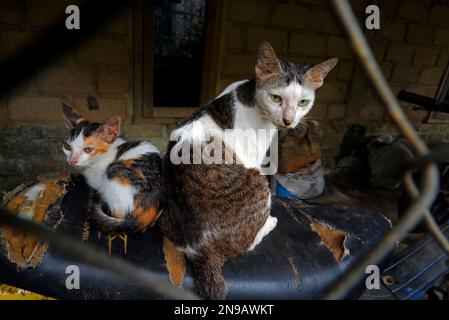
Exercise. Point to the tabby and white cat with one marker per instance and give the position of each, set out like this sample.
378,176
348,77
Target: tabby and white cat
126,175
216,211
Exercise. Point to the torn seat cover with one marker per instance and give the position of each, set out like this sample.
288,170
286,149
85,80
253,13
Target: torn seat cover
312,245
37,201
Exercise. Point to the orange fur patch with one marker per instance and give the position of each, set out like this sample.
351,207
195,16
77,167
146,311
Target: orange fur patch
128,163
123,181
97,143
145,216
175,261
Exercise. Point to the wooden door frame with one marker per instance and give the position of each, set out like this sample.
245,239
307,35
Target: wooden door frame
143,44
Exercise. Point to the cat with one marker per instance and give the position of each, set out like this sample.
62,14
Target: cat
216,211
126,175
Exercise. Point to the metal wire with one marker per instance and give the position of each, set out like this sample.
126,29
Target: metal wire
439,154
433,227
84,253
419,208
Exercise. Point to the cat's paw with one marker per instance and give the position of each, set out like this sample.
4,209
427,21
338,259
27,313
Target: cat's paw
268,226
271,223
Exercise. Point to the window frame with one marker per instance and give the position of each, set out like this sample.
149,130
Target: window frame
143,38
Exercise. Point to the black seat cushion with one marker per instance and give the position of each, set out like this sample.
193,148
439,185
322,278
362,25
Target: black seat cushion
311,246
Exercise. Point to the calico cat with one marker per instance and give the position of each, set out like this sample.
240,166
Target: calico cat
216,211
126,175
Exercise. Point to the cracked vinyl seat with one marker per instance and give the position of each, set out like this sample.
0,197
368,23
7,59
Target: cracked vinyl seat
311,246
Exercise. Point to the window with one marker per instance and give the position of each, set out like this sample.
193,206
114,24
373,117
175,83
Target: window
178,52
176,55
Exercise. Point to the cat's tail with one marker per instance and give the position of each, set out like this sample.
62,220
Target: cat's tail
138,221
209,280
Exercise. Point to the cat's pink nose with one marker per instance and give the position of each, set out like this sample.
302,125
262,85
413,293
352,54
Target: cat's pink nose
287,121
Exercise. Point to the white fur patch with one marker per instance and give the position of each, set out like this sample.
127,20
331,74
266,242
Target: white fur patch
250,148
78,142
195,131
250,138
188,250
137,152
119,198
268,226
232,87
77,152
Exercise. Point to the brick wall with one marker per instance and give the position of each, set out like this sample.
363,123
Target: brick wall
412,47
100,67
31,128
303,32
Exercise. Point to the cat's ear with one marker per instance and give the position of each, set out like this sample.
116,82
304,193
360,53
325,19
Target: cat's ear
71,117
109,130
267,62
315,75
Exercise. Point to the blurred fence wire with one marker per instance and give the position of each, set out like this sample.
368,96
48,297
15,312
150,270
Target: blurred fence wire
418,210
89,255
423,196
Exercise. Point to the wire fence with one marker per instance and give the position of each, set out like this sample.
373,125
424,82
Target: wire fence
418,211
422,199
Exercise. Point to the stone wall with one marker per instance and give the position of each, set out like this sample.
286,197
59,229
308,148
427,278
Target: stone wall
412,47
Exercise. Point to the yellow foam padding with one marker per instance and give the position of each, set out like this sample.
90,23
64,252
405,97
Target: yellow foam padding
13,293
26,250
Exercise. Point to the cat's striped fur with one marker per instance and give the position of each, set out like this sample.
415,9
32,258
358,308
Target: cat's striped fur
217,211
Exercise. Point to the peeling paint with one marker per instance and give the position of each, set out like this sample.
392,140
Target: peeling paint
31,202
332,238
290,212
295,271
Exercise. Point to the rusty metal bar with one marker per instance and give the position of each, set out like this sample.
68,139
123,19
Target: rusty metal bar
418,209
431,225
84,253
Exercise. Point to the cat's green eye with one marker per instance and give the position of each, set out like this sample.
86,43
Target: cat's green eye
303,103
67,146
88,150
275,98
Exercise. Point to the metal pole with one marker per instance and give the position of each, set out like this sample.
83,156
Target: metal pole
87,254
417,210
